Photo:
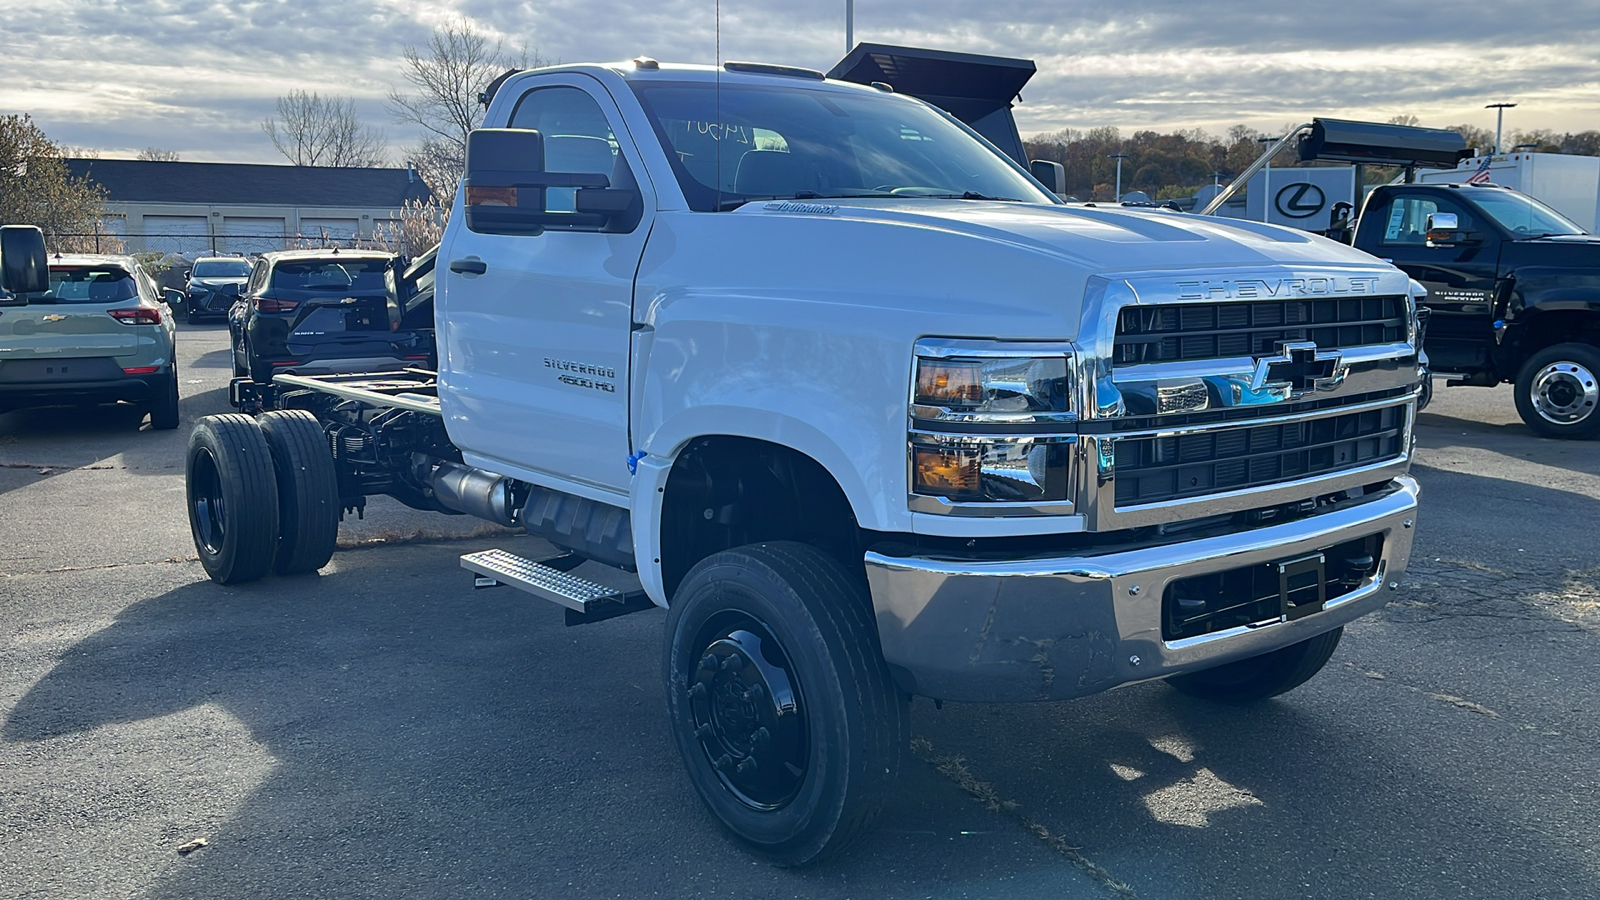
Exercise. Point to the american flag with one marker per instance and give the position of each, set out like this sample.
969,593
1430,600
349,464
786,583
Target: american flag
1482,175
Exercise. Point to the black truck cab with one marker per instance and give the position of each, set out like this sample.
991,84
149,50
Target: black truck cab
1513,293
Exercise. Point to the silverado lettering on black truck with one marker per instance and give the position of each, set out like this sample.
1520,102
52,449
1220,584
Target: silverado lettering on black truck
949,438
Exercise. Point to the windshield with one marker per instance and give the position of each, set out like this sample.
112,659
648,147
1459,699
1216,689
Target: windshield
775,141
88,284
1522,215
221,268
303,279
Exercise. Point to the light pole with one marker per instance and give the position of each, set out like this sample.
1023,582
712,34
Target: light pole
1499,118
1119,157
1266,182
849,25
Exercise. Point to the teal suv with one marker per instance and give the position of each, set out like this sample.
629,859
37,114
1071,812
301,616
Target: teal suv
100,334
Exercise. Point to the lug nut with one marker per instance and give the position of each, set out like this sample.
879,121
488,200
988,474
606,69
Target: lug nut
724,762
732,663
697,691
748,764
756,693
704,732
760,736
709,662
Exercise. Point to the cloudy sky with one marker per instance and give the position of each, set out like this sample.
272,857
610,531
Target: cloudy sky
198,76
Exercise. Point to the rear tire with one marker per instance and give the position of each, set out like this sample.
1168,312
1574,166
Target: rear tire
1260,677
308,491
164,410
778,697
1558,391
232,495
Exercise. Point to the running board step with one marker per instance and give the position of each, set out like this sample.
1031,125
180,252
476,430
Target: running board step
586,601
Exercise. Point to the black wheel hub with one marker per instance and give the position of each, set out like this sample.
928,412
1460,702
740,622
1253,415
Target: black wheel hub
205,502
747,713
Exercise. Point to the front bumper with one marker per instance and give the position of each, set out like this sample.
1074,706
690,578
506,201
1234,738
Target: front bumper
1063,627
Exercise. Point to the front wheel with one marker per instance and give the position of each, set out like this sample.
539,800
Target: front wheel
1558,391
780,702
1260,677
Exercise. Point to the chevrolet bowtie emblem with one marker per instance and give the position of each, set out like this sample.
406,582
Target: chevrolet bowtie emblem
1300,367
53,318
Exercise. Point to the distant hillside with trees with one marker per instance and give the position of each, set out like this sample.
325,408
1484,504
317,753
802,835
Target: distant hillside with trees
1177,164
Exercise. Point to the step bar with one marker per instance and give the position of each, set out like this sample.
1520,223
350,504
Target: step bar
585,601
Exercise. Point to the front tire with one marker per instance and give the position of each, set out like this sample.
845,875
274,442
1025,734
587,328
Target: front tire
308,491
232,495
780,702
1260,677
1558,391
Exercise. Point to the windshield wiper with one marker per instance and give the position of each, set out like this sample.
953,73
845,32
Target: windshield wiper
967,195
802,196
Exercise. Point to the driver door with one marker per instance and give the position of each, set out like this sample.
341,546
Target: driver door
1461,279
535,329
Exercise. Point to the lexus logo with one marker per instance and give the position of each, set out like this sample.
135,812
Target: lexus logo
1300,200
1301,368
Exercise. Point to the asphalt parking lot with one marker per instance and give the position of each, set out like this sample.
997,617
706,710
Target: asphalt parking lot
382,730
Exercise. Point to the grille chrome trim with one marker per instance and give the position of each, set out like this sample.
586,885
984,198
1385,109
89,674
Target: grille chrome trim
1194,331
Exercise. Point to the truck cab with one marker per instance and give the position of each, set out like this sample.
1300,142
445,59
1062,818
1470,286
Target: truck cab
1513,293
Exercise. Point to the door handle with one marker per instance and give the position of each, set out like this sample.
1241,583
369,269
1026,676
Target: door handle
468,266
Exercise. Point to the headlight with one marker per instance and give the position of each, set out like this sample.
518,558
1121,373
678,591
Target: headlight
991,422
985,470
998,389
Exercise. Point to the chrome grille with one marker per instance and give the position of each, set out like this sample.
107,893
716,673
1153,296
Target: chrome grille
1189,331
1174,467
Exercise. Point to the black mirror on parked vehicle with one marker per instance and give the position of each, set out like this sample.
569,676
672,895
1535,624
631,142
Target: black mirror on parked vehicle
509,192
24,268
173,296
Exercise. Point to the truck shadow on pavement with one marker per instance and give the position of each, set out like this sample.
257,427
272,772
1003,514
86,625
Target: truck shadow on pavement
428,740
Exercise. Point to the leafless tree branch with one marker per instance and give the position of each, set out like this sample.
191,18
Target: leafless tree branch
312,130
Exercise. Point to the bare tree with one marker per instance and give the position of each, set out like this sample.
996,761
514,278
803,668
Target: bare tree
1405,119
156,154
447,77
37,189
312,130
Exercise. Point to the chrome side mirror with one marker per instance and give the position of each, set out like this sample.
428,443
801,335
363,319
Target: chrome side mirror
1443,222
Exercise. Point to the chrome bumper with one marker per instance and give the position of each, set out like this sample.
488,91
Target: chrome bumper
1063,627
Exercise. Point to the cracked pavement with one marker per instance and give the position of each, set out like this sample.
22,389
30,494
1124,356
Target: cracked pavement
382,730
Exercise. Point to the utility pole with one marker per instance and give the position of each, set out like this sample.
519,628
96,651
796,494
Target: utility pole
1499,119
1119,157
849,25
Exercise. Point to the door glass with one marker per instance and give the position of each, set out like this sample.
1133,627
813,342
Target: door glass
577,139
1406,223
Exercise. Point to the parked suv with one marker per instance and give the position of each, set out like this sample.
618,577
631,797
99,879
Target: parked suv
100,334
318,312
214,285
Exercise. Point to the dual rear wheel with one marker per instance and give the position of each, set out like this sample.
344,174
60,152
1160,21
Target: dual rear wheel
263,495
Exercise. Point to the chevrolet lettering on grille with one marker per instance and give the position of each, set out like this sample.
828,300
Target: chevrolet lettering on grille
1300,367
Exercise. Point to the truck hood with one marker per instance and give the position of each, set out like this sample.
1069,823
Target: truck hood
1090,238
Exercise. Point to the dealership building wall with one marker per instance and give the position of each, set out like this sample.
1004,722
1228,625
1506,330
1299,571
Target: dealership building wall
195,208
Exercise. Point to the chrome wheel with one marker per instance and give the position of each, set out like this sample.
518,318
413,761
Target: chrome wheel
1564,393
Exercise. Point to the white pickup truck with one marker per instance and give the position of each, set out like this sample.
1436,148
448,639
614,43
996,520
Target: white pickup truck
870,412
